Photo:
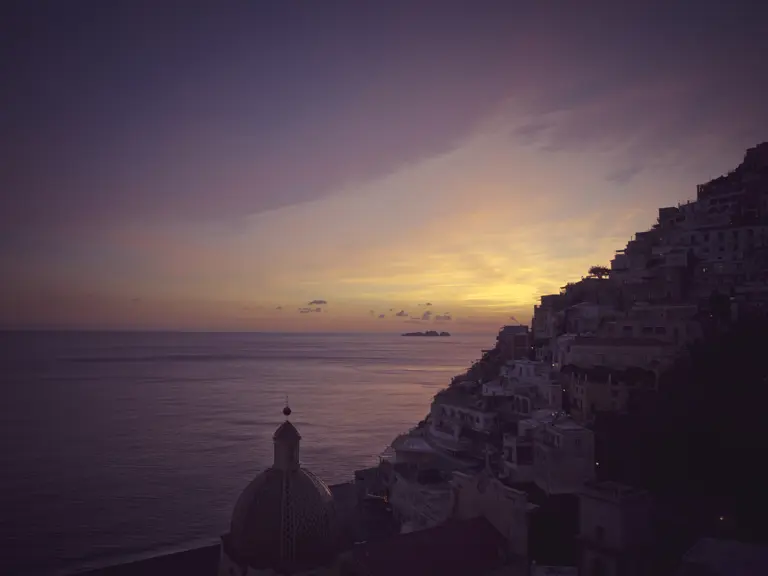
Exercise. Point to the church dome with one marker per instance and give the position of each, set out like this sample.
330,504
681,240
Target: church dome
285,518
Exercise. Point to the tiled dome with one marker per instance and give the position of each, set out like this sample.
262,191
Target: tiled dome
285,518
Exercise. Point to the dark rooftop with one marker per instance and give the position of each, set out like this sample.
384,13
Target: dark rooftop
712,557
456,548
597,341
461,399
414,473
196,562
632,375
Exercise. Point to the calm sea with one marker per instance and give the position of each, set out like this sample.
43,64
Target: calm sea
119,445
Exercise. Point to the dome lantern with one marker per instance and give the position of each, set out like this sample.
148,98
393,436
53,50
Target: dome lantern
286,440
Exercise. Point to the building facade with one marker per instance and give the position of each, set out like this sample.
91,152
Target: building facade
615,530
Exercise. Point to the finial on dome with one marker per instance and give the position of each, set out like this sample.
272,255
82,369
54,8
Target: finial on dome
287,409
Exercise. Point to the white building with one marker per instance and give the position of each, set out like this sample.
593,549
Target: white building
670,323
545,317
419,498
524,371
504,507
618,353
536,378
413,448
550,450
593,390
563,456
560,348
454,412
587,317
517,460
498,387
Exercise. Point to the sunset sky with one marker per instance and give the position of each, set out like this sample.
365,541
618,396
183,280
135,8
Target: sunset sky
221,165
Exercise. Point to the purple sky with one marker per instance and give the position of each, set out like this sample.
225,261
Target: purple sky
200,164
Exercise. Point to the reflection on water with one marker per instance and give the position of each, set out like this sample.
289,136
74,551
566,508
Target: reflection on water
120,443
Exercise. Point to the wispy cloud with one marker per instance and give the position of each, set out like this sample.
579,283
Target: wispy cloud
515,147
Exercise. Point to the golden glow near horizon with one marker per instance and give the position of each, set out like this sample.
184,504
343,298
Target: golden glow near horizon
479,233
472,163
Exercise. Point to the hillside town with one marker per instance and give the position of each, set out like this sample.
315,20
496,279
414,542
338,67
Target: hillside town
619,435
515,439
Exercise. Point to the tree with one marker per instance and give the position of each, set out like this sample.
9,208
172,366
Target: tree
599,272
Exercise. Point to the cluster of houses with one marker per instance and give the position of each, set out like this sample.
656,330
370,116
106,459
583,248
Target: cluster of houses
512,440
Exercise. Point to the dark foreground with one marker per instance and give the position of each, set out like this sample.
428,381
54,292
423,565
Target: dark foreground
198,561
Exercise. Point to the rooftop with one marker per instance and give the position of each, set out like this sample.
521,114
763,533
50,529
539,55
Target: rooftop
608,489
432,477
601,374
598,341
454,397
566,424
198,561
412,443
514,330
456,548
725,557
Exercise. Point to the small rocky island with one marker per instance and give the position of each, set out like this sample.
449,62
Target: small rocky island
427,333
